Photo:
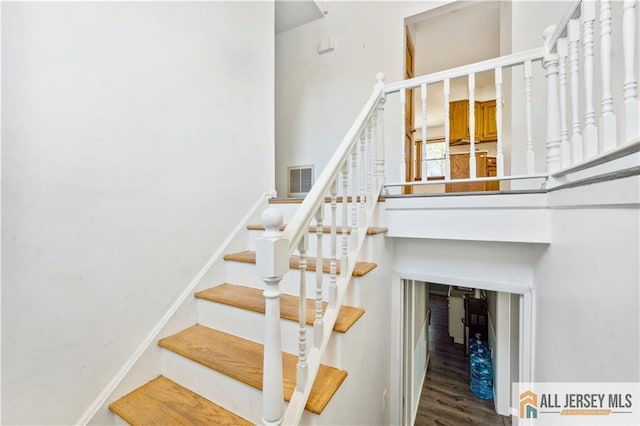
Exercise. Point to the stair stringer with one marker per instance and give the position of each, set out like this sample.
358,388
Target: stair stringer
146,362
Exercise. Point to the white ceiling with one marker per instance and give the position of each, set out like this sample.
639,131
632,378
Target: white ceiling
292,13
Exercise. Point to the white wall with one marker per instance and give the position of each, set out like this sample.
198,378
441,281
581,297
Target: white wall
319,96
127,159
587,297
528,20
501,266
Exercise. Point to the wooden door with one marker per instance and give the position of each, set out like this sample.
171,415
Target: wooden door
408,125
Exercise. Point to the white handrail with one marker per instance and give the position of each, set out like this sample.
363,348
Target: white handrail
274,249
502,61
562,26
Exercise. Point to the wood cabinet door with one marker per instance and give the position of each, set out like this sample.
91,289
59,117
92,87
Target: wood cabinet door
489,127
458,120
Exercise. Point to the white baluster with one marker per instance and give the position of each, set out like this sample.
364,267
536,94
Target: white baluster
302,366
403,161
369,159
447,158
553,107
333,289
423,92
363,174
590,129
318,325
531,156
499,151
272,262
472,126
608,118
630,86
380,133
354,190
345,206
574,64
565,147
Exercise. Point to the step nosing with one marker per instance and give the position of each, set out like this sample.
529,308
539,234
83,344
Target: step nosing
162,401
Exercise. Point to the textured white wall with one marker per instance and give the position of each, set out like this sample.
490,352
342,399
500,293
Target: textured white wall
586,291
127,159
319,96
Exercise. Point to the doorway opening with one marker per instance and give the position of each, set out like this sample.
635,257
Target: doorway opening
443,38
436,331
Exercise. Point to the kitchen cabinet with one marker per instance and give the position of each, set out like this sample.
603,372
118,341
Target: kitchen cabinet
485,167
485,121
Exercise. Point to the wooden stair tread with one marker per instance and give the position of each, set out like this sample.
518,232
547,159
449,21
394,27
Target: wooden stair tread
248,256
253,300
164,402
242,360
372,230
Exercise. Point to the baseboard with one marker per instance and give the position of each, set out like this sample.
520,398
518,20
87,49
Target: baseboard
93,408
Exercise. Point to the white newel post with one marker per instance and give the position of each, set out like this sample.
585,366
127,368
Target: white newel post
553,107
590,129
630,86
608,118
272,261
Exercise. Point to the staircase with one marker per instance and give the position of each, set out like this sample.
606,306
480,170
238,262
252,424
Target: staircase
212,371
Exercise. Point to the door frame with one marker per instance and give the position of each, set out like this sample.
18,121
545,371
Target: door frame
526,336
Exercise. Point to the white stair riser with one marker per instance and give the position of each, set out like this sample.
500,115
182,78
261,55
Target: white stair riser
250,325
366,254
235,396
119,421
246,274
225,391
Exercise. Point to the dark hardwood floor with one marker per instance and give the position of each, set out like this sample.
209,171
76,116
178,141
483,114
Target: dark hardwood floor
446,398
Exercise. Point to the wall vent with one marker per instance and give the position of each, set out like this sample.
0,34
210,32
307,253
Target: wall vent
300,180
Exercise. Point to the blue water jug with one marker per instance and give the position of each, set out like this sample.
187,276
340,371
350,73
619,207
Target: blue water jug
481,374
477,343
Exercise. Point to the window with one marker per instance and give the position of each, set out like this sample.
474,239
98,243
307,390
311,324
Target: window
435,159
